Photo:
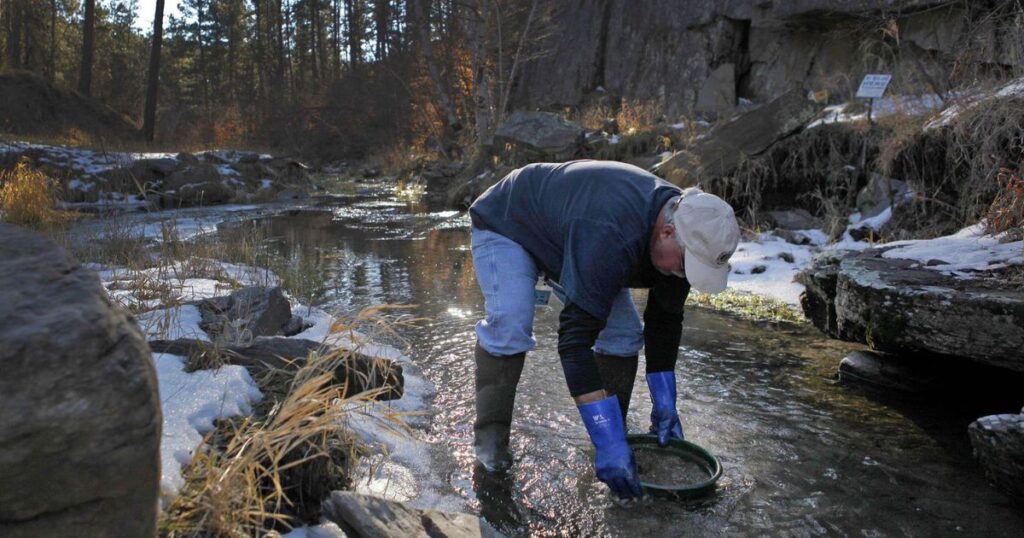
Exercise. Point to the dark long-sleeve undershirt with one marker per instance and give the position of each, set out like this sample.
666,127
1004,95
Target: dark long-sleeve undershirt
578,330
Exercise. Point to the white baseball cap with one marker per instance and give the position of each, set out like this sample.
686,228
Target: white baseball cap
707,230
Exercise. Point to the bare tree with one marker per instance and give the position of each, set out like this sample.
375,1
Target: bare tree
149,114
89,23
451,123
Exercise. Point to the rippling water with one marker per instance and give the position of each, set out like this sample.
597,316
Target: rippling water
803,456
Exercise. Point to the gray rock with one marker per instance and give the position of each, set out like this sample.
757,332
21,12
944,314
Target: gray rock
998,442
890,372
294,326
151,169
793,236
291,194
212,157
793,219
540,135
79,445
747,135
245,314
365,516
881,192
896,306
818,299
717,97
357,372
187,158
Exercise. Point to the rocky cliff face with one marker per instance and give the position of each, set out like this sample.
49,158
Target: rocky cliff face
681,53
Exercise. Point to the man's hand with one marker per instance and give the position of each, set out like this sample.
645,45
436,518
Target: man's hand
614,461
664,417
665,423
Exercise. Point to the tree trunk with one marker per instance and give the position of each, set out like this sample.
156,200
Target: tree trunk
85,74
482,104
51,68
450,121
149,114
382,20
503,103
355,31
13,14
261,79
279,75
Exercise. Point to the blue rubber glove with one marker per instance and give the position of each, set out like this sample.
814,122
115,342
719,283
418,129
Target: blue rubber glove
664,417
614,460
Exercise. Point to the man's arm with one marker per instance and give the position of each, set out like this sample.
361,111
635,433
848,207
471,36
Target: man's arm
577,332
663,323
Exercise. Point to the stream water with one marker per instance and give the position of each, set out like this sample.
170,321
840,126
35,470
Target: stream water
802,454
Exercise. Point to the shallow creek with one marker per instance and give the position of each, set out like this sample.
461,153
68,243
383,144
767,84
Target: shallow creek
802,455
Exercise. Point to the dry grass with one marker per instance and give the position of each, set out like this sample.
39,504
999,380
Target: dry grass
958,166
1007,209
262,474
28,197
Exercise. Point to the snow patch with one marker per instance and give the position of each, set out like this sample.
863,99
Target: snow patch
190,402
968,250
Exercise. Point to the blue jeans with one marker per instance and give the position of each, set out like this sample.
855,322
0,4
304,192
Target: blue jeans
507,276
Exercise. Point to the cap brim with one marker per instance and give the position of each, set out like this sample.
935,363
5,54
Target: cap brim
704,277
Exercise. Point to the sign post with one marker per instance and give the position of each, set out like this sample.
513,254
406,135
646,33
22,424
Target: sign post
871,88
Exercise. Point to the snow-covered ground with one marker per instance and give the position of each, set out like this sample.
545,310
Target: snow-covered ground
767,265
192,401
911,105
85,171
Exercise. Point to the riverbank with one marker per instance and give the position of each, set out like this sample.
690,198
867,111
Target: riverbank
247,443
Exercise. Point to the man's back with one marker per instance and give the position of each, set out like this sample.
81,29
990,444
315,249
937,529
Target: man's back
587,223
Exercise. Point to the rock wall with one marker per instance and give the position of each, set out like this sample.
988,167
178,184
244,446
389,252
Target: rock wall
679,53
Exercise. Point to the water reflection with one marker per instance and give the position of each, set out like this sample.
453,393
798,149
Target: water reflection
802,455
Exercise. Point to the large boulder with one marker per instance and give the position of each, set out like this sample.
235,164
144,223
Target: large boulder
726,146
365,516
998,442
197,184
880,193
717,97
540,136
245,314
818,299
79,445
899,306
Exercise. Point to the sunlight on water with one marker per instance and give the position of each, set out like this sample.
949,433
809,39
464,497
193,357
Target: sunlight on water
802,455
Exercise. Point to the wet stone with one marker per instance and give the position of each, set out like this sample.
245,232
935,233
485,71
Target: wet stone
660,467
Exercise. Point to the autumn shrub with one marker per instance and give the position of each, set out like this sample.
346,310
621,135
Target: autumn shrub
27,196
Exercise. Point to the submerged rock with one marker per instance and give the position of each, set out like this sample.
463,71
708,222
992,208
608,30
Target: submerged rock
998,442
79,409
889,372
372,517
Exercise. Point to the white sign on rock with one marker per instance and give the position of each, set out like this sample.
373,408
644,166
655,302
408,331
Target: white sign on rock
873,86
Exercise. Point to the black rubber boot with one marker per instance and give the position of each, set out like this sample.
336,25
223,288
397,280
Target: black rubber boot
496,381
618,375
